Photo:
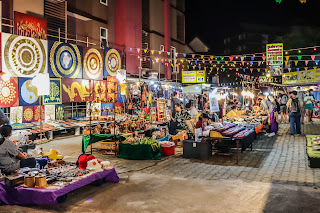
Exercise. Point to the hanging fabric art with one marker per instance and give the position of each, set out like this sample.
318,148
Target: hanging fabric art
28,93
112,88
100,91
37,113
55,96
9,92
49,113
23,56
112,62
65,60
106,108
93,64
59,111
27,114
75,90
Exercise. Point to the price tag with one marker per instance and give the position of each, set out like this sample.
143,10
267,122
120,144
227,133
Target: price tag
194,145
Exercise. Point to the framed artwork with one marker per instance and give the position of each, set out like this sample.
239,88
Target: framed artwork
16,115
9,92
112,62
50,113
28,93
75,90
27,114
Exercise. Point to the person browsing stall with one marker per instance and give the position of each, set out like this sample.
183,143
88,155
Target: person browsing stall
308,106
193,111
203,119
294,107
11,158
283,100
268,105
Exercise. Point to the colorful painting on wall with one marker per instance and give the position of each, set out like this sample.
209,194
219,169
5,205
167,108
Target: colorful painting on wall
112,62
55,96
28,93
37,112
106,108
50,113
23,56
75,90
27,114
112,88
65,60
92,64
100,91
9,92
16,115
59,112
29,25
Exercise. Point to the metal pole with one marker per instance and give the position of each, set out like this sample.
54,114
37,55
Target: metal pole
59,33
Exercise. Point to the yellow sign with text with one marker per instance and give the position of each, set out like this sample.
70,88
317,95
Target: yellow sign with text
192,77
301,77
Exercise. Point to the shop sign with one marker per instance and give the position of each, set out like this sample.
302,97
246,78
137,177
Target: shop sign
275,58
30,26
301,77
264,79
193,76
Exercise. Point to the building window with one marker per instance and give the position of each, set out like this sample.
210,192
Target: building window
103,37
105,2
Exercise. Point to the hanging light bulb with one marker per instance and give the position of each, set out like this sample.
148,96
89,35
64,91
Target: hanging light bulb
315,49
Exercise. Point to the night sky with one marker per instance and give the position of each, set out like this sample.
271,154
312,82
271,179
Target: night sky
213,20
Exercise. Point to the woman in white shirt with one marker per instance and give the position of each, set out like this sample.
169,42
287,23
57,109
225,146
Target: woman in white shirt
308,105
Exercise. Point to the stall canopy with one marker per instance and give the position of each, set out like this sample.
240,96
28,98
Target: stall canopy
193,89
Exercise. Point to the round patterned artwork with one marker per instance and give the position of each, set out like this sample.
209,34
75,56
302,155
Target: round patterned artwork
65,60
28,115
28,92
8,91
112,62
92,63
24,57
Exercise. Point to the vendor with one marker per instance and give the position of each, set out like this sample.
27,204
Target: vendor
11,158
193,111
203,119
179,119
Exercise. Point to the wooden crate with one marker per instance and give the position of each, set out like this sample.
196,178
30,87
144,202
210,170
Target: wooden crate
113,146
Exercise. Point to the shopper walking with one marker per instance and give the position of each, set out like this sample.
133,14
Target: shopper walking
308,105
294,107
300,95
283,100
268,105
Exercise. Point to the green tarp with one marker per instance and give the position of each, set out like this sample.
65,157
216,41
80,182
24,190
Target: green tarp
138,152
313,155
96,138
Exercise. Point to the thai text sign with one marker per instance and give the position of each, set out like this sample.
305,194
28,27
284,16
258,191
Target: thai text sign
275,58
193,76
303,77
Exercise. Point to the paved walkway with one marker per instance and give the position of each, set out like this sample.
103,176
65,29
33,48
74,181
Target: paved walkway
279,159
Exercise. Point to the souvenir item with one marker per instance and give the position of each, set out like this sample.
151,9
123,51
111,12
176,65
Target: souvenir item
106,165
232,131
59,112
23,56
29,180
53,154
38,112
16,115
94,165
50,113
65,60
41,181
75,90
14,179
27,114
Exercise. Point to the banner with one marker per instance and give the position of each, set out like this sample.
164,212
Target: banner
30,26
302,77
275,58
213,102
191,77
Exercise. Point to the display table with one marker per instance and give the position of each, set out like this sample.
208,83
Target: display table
138,152
96,138
31,196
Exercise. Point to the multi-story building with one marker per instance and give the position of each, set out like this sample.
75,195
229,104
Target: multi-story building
120,24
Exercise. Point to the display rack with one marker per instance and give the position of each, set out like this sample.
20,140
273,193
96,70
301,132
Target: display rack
161,109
